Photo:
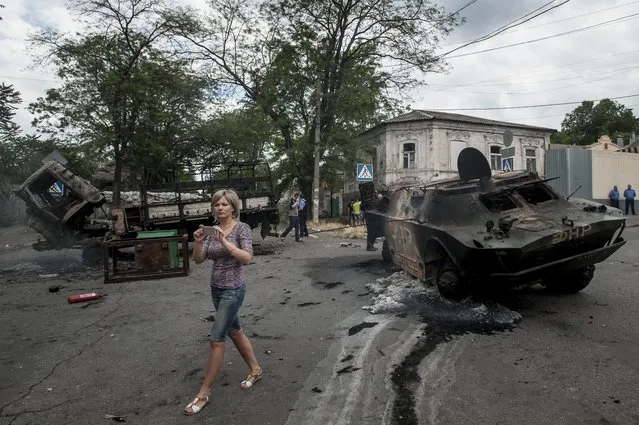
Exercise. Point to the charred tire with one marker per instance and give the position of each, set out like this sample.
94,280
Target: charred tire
386,253
451,284
92,254
573,282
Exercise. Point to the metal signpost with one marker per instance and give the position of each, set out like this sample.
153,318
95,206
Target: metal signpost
507,153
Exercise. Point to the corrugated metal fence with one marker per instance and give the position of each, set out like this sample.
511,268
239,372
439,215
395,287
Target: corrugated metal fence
574,169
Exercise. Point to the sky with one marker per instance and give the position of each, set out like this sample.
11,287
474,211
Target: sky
585,64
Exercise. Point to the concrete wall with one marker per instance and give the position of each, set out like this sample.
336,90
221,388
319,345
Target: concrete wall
437,144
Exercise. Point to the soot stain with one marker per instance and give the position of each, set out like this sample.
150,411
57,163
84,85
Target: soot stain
258,336
348,369
405,375
358,328
329,285
347,358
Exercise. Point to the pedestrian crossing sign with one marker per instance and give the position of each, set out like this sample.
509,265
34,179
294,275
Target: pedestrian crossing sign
507,164
57,189
364,173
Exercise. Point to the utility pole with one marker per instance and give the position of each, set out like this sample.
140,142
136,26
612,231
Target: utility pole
316,150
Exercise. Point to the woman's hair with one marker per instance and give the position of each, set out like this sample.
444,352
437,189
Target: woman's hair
231,197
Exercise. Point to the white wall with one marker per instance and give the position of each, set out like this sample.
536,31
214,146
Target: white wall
613,168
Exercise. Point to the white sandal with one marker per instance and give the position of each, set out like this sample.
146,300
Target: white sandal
251,379
194,407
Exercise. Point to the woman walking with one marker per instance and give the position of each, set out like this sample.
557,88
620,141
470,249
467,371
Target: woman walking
230,246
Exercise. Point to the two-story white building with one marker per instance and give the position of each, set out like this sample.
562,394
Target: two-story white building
424,145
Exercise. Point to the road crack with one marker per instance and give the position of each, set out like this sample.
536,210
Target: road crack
55,367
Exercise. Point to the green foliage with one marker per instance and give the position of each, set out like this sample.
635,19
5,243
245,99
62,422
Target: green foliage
561,138
9,99
352,57
123,96
586,123
23,155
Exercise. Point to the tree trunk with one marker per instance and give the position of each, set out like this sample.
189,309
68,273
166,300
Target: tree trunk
316,154
117,179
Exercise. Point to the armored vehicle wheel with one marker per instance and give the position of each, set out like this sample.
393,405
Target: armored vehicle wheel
450,284
571,283
386,254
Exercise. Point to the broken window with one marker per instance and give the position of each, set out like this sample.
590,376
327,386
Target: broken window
409,155
531,160
495,158
535,194
496,202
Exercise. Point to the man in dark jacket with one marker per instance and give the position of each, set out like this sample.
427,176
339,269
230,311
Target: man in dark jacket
630,195
614,197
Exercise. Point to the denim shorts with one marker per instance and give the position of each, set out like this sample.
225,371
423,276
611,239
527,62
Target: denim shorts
227,302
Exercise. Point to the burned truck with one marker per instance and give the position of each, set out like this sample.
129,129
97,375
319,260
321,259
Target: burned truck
507,230
69,212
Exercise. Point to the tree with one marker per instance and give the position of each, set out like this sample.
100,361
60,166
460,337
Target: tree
586,123
111,98
319,68
9,99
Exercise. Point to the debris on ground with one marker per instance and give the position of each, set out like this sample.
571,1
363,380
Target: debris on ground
116,418
400,292
349,244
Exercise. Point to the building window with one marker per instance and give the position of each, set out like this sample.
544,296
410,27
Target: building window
495,157
531,160
409,155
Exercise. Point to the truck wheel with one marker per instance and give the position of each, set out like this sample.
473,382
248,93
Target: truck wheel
92,254
573,282
450,283
386,253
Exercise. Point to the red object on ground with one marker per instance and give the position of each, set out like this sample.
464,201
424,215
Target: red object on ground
85,297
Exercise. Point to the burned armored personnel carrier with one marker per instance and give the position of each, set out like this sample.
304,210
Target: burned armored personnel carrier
506,230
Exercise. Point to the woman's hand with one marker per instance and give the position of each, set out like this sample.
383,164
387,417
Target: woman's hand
198,235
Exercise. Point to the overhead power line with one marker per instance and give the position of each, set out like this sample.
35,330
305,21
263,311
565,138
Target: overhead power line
558,21
628,17
508,26
557,69
600,76
499,108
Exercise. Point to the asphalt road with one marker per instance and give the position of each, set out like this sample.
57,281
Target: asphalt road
140,352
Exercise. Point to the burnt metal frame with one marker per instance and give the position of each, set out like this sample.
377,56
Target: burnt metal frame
112,276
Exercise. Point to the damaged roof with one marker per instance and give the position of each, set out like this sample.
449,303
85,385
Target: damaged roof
425,115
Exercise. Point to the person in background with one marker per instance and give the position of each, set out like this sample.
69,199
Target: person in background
630,195
614,197
293,217
303,214
375,224
351,215
357,212
230,246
